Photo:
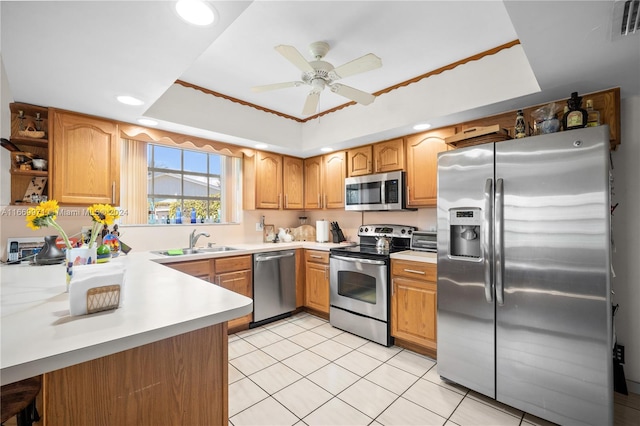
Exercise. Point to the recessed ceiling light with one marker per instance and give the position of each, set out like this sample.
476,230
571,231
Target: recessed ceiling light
262,146
421,126
195,12
326,149
147,122
130,100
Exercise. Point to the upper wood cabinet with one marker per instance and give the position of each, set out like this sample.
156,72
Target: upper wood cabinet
33,143
272,181
380,157
388,156
85,159
324,181
293,183
422,166
360,161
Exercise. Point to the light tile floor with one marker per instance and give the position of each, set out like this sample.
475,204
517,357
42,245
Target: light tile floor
302,371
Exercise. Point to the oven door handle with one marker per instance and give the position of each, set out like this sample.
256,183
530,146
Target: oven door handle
358,260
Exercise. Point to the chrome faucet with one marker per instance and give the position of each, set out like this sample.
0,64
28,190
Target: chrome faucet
193,238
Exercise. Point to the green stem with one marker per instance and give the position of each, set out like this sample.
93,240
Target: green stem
94,233
62,233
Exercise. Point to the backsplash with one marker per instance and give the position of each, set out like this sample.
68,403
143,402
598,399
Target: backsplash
154,237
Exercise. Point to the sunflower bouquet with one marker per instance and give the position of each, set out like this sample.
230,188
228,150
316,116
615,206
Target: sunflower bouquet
101,214
45,215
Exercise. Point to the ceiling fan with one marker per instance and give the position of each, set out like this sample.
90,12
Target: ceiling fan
320,74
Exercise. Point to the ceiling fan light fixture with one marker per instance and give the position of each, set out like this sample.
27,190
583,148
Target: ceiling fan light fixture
261,146
326,149
196,12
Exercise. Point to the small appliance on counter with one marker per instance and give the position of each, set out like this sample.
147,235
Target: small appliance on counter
424,241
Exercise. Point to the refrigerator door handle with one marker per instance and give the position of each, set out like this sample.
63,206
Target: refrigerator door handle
487,240
499,240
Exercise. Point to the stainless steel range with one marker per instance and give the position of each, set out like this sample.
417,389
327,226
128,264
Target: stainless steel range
360,284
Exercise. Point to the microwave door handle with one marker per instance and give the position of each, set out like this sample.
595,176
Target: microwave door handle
487,240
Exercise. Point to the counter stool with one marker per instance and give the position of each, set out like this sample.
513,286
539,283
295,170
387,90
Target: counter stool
19,399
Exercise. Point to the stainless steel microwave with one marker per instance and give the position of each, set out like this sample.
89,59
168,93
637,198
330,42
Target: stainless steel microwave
377,192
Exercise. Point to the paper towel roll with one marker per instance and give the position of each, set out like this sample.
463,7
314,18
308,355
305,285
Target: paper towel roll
322,231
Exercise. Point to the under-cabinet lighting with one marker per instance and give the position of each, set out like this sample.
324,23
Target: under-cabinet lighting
326,149
195,12
261,146
130,100
147,122
421,126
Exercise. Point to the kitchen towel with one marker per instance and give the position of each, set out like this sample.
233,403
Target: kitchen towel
105,280
322,231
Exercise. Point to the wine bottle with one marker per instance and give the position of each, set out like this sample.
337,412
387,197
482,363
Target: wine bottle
520,128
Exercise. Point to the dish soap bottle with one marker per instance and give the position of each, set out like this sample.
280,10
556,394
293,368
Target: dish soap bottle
521,128
576,117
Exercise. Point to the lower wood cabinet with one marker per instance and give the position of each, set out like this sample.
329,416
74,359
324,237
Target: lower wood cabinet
234,273
317,280
414,302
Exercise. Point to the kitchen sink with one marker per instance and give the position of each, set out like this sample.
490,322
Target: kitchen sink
215,249
186,251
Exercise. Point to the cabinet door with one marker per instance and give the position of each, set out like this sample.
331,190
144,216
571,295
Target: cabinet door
241,283
196,268
317,291
422,166
268,180
413,311
359,161
85,160
313,183
335,170
388,156
293,183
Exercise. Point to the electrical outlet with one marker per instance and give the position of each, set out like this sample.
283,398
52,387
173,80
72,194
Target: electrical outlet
258,226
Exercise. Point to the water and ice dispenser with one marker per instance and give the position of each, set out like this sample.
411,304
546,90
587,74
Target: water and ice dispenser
465,233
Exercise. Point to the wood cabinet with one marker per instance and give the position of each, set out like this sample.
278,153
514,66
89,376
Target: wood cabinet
85,159
317,280
293,183
360,161
196,268
272,181
380,157
414,302
300,278
32,145
236,274
324,181
422,166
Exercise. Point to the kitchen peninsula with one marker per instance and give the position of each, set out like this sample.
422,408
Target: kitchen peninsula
161,358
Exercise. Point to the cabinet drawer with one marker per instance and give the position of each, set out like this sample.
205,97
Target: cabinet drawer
235,263
196,268
316,256
416,270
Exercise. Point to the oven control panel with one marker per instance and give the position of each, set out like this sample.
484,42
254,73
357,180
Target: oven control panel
394,231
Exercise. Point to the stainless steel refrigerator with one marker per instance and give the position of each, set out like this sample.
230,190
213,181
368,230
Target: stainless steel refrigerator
524,309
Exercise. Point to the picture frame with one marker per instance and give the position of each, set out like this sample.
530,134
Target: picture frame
269,233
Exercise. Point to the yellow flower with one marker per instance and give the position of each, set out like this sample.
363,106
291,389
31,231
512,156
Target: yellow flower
45,214
101,214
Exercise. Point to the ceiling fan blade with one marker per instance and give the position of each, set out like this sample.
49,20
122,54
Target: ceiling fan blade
356,95
311,104
276,86
295,57
364,63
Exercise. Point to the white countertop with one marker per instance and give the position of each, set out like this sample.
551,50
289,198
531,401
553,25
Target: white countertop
416,256
38,334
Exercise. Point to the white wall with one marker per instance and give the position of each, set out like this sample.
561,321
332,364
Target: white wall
626,235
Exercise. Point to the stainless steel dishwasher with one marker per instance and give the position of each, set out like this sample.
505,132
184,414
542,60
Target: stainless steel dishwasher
274,285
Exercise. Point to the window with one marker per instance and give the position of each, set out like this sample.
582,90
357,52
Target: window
181,181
